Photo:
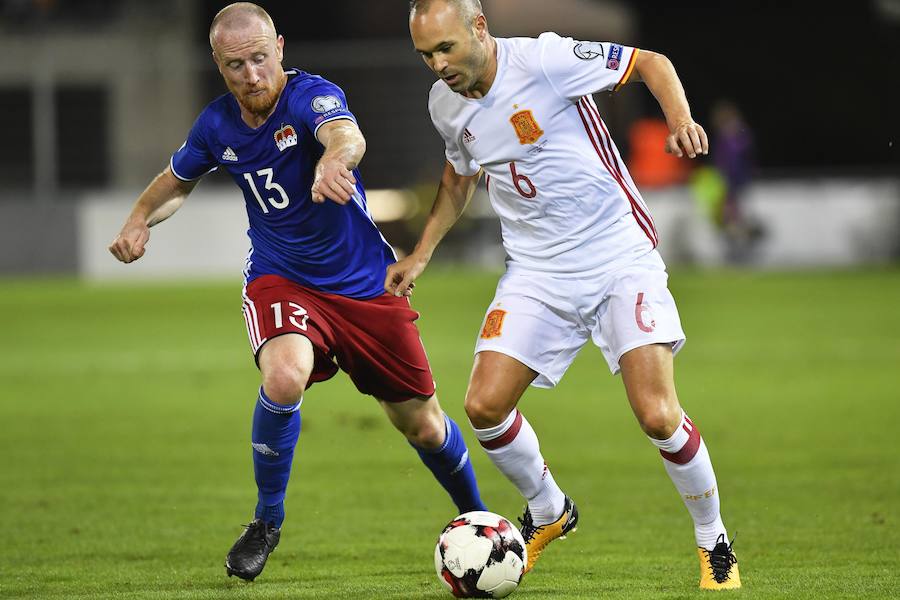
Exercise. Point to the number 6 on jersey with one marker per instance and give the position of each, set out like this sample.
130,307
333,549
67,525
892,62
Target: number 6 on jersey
519,179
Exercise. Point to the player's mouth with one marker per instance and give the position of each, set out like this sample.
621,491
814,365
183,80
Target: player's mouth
452,79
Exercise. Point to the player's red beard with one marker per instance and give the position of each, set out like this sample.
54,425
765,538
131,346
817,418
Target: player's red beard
260,103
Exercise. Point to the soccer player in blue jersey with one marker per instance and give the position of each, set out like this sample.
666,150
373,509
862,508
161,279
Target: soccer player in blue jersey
316,266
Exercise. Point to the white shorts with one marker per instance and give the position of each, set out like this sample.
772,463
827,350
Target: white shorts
543,320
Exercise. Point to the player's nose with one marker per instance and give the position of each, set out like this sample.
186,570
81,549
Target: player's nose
252,74
439,64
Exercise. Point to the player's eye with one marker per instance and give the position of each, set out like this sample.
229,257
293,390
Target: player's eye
259,58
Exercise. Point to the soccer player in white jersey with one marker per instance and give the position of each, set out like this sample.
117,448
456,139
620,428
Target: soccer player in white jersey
582,261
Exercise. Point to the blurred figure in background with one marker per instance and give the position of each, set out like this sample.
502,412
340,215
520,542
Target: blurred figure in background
313,296
650,165
732,153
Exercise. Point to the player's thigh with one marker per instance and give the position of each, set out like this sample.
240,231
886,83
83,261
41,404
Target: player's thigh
638,310
534,320
286,324
378,344
495,387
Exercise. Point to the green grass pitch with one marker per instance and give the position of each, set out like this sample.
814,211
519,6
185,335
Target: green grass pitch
126,468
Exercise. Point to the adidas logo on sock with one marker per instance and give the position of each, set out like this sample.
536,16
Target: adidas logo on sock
264,450
229,155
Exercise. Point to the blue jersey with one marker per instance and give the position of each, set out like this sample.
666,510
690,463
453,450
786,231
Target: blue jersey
328,247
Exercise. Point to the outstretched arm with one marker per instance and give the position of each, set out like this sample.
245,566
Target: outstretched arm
453,195
344,148
165,194
658,73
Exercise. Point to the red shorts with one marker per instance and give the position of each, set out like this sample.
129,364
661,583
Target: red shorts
375,341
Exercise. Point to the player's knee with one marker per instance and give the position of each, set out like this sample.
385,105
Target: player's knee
659,417
426,432
483,412
284,384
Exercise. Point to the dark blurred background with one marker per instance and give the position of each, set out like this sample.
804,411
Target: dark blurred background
96,94
820,84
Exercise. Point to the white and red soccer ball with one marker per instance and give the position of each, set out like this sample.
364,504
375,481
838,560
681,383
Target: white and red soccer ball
480,555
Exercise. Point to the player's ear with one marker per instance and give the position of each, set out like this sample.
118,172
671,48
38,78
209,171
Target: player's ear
480,27
279,48
215,58
218,63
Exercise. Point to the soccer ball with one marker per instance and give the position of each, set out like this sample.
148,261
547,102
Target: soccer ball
480,555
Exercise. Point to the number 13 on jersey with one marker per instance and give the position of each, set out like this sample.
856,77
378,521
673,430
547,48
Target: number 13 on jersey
269,185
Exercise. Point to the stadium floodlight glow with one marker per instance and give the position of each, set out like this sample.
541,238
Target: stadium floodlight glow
391,204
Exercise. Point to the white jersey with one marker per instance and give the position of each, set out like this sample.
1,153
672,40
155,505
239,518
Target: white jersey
555,178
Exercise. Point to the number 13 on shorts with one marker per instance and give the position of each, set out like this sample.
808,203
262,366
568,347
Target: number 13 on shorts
297,318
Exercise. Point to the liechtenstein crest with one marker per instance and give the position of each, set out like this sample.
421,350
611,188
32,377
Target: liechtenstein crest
285,137
526,127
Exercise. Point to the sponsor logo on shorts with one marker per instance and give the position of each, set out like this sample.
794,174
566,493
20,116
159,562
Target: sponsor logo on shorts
615,55
493,324
526,127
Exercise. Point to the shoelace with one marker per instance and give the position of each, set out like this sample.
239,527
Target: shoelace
528,526
256,532
721,559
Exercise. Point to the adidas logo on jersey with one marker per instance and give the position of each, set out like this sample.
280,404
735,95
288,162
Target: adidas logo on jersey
468,138
285,137
229,155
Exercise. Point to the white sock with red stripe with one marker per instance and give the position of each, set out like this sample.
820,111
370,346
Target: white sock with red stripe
688,465
513,447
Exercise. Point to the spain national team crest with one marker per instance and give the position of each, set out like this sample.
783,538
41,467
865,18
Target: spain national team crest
285,137
526,127
493,324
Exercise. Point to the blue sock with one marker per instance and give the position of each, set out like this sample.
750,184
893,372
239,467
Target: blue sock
275,431
452,468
